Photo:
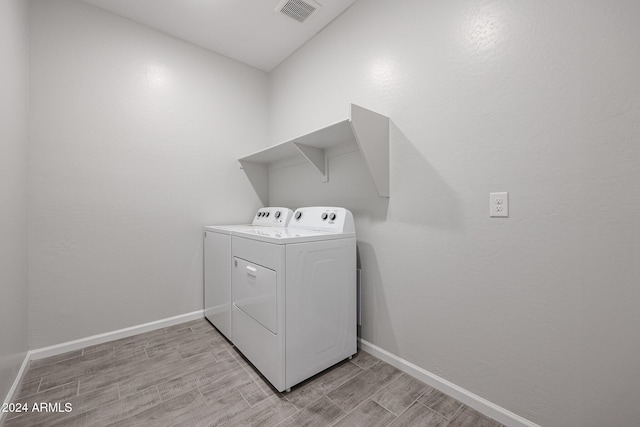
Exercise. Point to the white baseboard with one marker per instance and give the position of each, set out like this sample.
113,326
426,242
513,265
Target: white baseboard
16,383
474,401
54,350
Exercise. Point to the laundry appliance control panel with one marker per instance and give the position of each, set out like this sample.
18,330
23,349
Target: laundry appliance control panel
273,217
337,220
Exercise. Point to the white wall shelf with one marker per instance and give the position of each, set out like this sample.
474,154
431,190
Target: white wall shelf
370,131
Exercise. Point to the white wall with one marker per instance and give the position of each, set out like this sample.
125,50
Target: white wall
537,313
14,109
134,141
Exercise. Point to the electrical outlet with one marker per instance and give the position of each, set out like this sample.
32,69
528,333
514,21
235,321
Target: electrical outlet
499,204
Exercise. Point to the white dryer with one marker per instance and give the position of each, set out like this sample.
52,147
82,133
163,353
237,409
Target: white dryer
294,294
217,263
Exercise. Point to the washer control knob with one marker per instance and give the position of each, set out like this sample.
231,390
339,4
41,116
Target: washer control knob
259,214
298,215
332,216
324,216
277,214
267,214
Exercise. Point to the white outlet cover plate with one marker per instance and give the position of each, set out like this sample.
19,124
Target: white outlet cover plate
499,204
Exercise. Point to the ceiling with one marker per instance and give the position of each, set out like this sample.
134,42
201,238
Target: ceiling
249,31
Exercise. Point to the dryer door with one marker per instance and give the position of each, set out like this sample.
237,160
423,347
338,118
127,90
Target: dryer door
254,292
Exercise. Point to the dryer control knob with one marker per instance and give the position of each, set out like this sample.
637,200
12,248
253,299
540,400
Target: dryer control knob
267,214
277,214
332,216
298,215
324,216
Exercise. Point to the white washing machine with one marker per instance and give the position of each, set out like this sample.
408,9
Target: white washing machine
217,263
294,294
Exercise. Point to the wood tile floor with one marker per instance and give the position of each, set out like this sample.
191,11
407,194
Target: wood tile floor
189,375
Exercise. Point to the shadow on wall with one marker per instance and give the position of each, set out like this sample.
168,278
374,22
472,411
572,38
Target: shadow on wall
419,195
350,186
373,300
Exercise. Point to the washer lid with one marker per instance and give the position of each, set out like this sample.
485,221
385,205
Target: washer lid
283,236
227,229
265,217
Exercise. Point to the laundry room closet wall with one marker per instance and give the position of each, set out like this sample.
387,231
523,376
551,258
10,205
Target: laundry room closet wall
14,136
134,140
537,312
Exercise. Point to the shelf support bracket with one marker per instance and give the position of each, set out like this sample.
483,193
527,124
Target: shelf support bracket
258,175
316,156
371,131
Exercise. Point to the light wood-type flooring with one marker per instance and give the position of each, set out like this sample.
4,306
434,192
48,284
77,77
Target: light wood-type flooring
189,375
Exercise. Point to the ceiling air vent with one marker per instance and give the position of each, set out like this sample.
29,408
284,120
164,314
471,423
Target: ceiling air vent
298,9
